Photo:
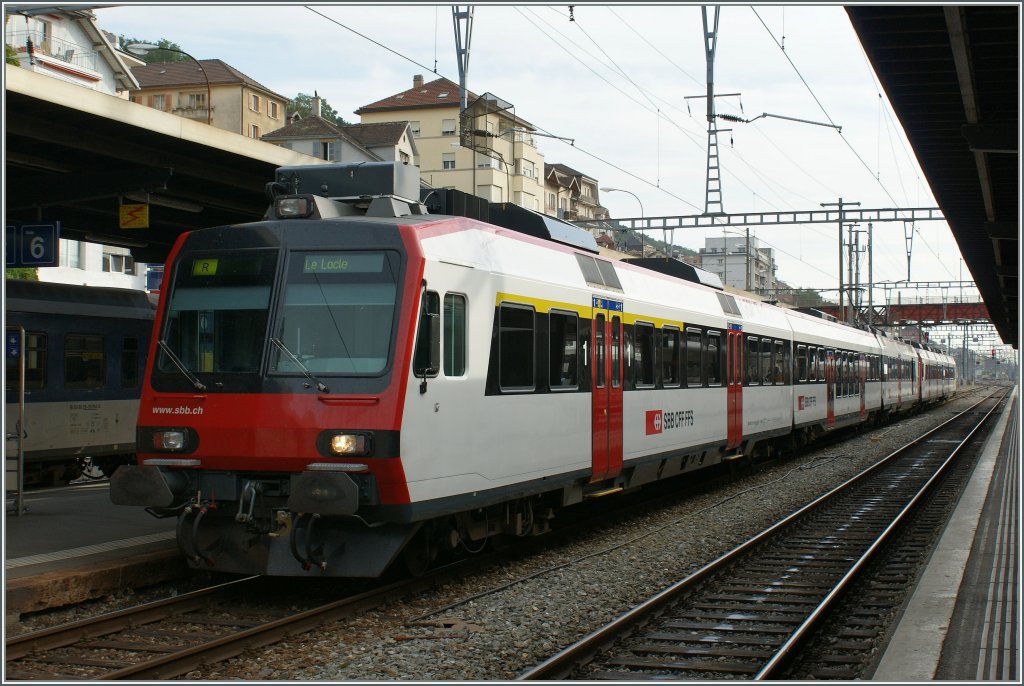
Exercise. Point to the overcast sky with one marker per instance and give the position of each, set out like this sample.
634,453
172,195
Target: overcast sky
617,81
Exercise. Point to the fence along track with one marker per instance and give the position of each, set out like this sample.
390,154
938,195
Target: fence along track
745,614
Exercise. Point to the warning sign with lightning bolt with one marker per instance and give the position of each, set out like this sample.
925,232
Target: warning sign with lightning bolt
134,216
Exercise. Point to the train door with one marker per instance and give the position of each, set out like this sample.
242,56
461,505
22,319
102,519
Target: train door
734,388
830,387
606,389
920,377
862,376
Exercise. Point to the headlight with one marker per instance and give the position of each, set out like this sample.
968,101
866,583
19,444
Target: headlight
169,440
348,444
294,207
343,443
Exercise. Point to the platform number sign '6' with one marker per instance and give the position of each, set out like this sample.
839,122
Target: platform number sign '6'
31,245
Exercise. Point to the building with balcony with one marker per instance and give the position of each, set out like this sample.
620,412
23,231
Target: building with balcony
490,153
65,43
571,195
213,91
314,135
740,262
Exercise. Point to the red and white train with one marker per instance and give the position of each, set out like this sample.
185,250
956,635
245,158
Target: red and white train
353,381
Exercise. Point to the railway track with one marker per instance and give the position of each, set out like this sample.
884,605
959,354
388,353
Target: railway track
749,613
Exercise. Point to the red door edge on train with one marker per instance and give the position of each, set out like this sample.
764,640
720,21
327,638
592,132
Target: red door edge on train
734,387
606,389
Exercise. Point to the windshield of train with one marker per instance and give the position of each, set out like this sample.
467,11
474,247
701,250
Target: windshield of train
217,312
338,313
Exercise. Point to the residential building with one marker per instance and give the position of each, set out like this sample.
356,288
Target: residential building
740,262
314,135
213,91
65,43
571,195
491,153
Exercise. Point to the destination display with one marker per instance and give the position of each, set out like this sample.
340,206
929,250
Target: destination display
343,263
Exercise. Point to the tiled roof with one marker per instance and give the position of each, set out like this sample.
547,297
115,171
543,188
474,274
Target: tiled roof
438,93
310,127
188,74
374,135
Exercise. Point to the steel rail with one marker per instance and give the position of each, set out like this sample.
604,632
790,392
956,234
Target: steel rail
561,664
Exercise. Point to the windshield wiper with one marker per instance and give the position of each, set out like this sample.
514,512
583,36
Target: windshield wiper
180,365
298,363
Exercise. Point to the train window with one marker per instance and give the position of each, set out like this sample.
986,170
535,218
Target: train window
693,355
129,362
801,363
670,357
753,361
616,348
337,316
643,355
84,362
713,358
563,353
217,312
778,364
767,366
35,364
516,348
428,336
599,374
821,364
454,334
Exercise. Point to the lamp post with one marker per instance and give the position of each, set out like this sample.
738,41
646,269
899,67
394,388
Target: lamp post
143,48
643,243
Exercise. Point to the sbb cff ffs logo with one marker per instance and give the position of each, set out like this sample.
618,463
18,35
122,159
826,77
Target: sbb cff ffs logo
659,420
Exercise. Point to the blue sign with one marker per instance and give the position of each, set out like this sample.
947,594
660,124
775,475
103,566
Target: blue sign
600,303
32,245
13,345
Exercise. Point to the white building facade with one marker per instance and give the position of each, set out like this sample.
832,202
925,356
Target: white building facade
740,262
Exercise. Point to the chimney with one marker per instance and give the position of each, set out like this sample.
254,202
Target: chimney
417,81
316,104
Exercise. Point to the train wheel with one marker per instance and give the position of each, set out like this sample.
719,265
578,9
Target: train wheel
420,552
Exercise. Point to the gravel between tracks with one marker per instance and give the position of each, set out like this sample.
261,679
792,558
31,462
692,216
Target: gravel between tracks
499,635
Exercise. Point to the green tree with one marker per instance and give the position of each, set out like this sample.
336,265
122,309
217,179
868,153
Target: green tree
11,54
22,274
303,104
154,56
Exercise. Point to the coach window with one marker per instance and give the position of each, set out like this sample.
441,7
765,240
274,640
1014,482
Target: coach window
713,358
516,348
129,362
454,323
616,347
767,366
35,364
821,364
779,364
670,357
563,351
753,361
84,363
801,363
693,353
427,338
812,363
643,355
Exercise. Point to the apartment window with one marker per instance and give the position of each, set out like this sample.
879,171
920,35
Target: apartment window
551,201
564,358
586,192
403,157
414,126
70,253
487,161
527,168
448,127
84,364
447,160
118,264
254,103
254,131
159,102
195,101
272,110
327,150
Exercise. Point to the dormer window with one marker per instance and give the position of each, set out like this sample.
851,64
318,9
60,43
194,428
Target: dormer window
443,95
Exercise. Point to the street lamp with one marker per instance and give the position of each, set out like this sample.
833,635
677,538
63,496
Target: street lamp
143,48
643,243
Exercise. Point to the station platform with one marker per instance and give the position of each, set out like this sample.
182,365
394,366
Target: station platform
72,544
962,622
